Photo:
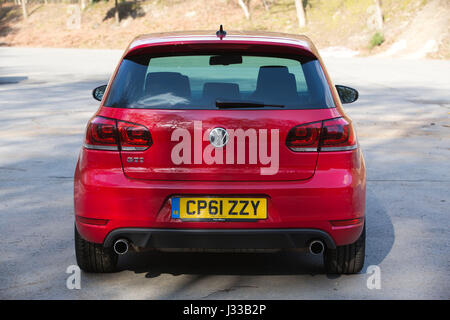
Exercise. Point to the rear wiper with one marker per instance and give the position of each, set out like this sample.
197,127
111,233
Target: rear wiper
244,104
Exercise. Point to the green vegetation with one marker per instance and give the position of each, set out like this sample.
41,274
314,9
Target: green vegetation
376,40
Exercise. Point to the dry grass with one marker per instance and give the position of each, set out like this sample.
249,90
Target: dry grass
330,22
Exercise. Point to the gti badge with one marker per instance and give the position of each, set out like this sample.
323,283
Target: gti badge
135,159
218,137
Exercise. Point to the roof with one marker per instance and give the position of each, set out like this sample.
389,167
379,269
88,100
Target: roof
210,36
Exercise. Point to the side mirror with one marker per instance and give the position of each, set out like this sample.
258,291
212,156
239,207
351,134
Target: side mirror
98,92
347,94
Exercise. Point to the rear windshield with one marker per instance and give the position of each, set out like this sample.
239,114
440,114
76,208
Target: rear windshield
206,81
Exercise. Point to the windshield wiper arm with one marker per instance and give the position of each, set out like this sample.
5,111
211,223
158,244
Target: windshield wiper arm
244,104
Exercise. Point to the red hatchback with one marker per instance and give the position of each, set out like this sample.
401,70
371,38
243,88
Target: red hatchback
220,142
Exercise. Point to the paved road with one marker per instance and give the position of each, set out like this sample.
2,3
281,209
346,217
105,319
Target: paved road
403,124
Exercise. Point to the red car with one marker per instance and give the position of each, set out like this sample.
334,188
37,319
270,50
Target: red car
220,142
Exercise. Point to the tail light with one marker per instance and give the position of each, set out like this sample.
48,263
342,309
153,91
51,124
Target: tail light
113,135
101,134
329,135
134,137
304,137
337,135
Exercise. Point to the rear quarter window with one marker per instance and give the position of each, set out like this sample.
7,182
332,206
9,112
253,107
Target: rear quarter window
194,82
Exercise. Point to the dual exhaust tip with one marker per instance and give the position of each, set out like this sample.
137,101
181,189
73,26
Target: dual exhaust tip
316,247
121,246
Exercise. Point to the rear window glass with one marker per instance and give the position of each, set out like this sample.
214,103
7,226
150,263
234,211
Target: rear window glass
201,81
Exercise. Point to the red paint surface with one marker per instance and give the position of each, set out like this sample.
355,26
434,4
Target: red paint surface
309,190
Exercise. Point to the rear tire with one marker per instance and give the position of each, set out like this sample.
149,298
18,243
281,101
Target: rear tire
346,259
93,257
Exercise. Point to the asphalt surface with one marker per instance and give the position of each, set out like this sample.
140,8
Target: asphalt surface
402,118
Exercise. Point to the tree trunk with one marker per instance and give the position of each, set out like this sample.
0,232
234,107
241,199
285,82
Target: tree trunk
24,9
116,13
244,7
266,5
300,13
378,15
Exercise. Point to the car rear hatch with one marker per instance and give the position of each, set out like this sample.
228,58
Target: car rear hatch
253,100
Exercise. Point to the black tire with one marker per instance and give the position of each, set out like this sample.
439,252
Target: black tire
346,259
93,257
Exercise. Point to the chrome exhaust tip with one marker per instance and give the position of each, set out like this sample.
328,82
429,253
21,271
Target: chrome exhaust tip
316,247
121,246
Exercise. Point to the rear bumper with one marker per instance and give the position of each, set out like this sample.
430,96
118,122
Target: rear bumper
220,239
335,192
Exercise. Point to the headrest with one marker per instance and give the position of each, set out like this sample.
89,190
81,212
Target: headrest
276,85
167,82
213,91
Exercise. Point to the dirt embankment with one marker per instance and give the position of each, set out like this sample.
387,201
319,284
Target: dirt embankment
426,34
418,28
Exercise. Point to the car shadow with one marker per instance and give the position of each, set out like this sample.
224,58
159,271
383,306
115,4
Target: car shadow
154,264
380,233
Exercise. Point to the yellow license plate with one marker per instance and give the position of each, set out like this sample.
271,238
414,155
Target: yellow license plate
218,208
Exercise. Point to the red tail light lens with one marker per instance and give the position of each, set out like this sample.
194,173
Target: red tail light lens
110,134
304,137
134,137
337,135
101,134
329,135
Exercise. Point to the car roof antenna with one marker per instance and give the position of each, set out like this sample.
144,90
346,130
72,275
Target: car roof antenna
221,33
